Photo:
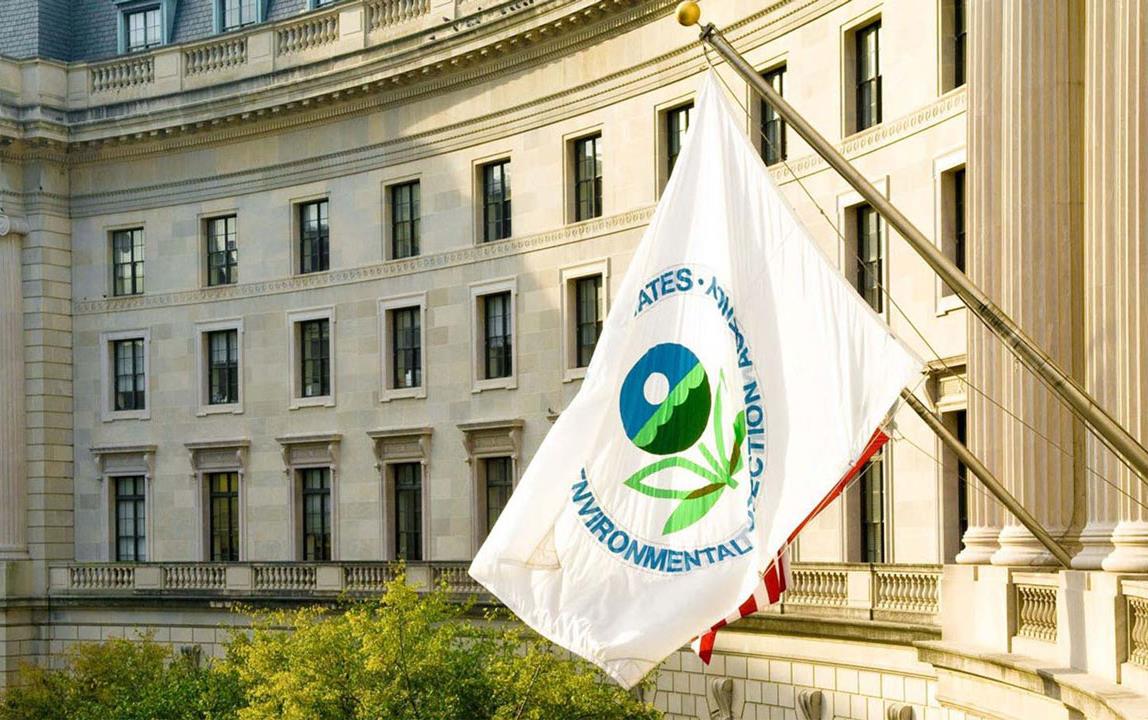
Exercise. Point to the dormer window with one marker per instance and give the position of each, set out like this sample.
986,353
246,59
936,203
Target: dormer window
144,24
237,13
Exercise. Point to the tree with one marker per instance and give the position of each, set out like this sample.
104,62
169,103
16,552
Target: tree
412,657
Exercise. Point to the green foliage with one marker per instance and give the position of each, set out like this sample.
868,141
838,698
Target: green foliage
125,680
404,657
412,657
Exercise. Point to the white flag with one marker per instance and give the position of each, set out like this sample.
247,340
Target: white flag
737,381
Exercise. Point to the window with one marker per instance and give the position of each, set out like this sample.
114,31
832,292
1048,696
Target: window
496,326
959,252
131,534
677,123
496,201
223,516
223,367
587,178
872,491
867,277
315,489
587,317
959,42
143,29
222,252
405,220
128,262
499,473
237,13
408,510
314,241
315,358
867,68
130,379
406,344
772,126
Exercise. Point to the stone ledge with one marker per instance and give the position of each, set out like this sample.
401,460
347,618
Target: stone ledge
876,631
1097,699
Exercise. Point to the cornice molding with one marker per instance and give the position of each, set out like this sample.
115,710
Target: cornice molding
451,258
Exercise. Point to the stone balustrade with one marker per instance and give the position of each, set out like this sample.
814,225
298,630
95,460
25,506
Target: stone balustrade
892,593
1136,606
121,75
1035,606
308,34
215,56
385,13
255,578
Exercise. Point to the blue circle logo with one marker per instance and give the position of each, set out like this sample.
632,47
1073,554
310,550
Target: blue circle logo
665,400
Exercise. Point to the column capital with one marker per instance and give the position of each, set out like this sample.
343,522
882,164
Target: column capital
12,225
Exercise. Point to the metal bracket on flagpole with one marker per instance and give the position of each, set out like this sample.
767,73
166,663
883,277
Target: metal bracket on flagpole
1115,436
994,486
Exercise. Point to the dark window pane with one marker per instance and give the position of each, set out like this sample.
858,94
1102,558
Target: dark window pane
130,387
587,317
314,241
497,341
496,201
868,68
406,344
315,357
316,496
869,261
872,491
772,126
131,523
127,262
405,220
499,484
408,510
223,367
959,43
962,477
677,123
587,178
959,253
222,251
223,505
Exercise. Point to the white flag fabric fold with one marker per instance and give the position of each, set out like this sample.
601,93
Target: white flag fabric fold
737,381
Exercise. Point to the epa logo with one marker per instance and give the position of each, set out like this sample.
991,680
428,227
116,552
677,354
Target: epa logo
666,405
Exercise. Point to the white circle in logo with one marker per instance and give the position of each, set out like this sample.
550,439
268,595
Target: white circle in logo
656,388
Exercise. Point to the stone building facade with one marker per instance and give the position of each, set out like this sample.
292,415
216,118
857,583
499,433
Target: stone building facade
417,270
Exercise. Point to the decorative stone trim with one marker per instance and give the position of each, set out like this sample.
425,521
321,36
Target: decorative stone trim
401,445
122,74
218,456
394,268
809,704
124,460
215,56
1036,606
492,438
721,689
315,450
307,34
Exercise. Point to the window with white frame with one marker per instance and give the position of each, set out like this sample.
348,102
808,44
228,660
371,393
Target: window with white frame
951,221
220,362
862,94
219,466
401,457
773,141
124,370
237,13
222,250
586,176
584,304
493,334
126,472
494,187
672,123
313,236
863,246
127,261
403,355
492,451
403,214
312,464
312,334
143,24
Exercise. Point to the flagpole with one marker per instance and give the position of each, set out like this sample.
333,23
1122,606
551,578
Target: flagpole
976,467
1111,432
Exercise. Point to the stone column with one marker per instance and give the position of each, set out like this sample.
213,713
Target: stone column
1040,189
1116,272
13,490
985,355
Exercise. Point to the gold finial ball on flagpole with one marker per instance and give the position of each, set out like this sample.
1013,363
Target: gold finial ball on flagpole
689,13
